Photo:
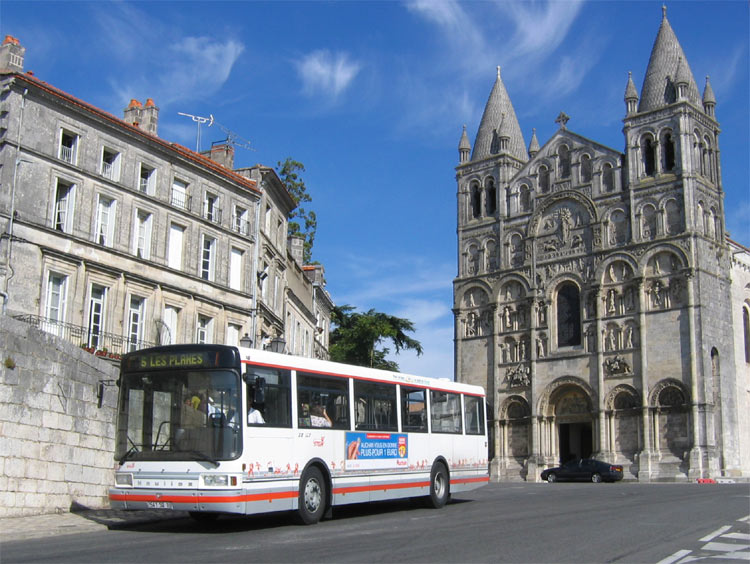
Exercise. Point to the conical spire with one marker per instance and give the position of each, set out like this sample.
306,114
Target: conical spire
630,91
464,147
708,93
659,86
499,112
534,144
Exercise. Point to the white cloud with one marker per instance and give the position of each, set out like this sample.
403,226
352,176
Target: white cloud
326,73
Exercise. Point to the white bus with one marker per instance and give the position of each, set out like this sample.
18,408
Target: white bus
212,429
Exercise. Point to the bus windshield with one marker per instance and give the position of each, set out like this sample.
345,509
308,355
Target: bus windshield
179,415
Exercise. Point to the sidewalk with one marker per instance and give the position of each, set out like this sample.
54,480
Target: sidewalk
79,521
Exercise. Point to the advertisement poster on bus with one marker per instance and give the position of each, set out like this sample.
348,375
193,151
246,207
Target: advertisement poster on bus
373,451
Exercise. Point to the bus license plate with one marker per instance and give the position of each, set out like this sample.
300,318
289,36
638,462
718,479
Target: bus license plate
159,504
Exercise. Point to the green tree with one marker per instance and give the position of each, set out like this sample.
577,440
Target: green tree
302,222
357,338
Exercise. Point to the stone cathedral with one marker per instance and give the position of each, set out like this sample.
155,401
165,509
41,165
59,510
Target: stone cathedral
594,297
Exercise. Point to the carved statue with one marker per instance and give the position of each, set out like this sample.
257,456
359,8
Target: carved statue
611,301
506,317
617,366
539,347
611,340
522,350
518,376
629,337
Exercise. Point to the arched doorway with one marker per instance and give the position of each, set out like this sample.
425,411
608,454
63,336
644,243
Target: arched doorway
573,422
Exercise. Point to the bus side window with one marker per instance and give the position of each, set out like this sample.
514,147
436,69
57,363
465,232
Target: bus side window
322,401
413,410
276,406
375,406
474,415
445,412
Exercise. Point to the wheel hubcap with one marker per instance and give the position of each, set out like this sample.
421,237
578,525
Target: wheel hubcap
439,485
312,495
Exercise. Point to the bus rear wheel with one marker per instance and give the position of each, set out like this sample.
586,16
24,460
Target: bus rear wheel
439,486
312,496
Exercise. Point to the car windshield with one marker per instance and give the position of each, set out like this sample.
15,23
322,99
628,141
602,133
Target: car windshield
179,415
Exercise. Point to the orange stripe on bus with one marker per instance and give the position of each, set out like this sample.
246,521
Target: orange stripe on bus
379,487
266,496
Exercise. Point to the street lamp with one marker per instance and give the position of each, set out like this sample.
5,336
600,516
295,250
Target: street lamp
246,341
277,344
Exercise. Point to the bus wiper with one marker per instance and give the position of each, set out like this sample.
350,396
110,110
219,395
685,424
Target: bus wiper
202,456
127,455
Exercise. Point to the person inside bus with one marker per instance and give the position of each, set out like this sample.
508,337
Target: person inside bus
319,417
254,416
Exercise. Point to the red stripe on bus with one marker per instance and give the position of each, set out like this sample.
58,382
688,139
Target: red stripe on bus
379,487
470,480
266,496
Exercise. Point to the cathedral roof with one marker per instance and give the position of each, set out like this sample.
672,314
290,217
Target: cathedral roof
665,62
534,143
464,142
499,115
630,91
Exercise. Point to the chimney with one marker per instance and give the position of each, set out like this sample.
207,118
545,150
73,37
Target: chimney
296,247
150,120
12,54
221,152
133,113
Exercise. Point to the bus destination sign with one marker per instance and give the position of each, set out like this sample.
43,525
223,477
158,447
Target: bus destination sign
165,360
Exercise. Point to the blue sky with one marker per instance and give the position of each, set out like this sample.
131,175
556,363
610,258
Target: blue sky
372,96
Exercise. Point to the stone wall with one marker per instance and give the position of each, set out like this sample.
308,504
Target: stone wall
57,445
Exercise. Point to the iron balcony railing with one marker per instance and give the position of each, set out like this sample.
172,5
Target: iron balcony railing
94,341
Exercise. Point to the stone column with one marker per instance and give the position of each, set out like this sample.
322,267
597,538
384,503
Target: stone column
646,455
600,448
535,459
698,455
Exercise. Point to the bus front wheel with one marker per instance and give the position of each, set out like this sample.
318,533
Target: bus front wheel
439,486
312,496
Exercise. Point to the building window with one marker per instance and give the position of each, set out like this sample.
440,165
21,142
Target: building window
105,221
204,333
56,297
142,240
208,258
668,152
64,194
233,335
746,327
110,166
240,222
476,201
169,326
179,198
543,179
649,156
96,316
585,168
147,179
174,253
608,177
568,315
525,195
211,209
135,323
563,154
68,147
235,269
491,197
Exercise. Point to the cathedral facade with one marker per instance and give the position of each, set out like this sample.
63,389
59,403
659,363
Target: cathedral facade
594,297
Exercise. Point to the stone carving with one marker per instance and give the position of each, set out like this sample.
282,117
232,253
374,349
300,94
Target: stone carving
656,292
507,321
540,347
541,314
611,298
518,376
522,350
617,366
629,337
629,299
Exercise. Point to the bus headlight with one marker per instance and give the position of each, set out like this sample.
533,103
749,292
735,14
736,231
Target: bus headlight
123,480
218,480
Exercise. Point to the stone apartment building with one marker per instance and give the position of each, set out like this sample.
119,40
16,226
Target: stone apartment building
117,239
598,299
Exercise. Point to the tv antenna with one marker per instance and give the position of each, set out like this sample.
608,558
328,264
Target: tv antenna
234,139
199,120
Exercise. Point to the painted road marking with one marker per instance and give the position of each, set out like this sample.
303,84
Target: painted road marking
675,557
715,534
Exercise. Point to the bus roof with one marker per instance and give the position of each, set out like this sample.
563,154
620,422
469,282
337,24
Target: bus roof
276,360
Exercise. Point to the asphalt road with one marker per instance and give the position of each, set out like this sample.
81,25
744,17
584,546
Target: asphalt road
499,523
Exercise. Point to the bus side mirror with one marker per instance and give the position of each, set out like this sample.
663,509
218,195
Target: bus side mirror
259,391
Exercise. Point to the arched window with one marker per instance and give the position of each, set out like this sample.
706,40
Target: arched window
491,196
512,201
563,153
671,396
649,156
568,315
476,201
673,217
618,234
648,222
585,168
608,177
667,152
706,168
543,179
525,198
746,326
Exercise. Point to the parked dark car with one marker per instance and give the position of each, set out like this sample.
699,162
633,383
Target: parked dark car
584,470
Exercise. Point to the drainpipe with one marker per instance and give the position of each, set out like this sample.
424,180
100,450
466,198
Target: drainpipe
8,269
256,258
